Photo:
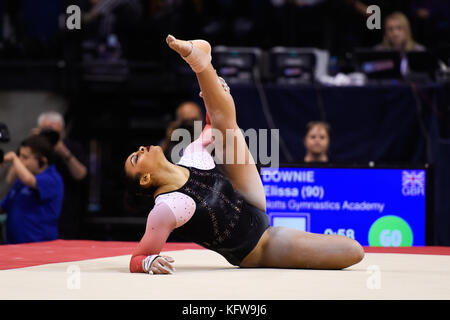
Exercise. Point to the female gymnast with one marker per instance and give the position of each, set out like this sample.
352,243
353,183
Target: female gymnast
222,210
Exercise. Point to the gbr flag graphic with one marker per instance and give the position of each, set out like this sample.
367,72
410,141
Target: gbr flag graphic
413,183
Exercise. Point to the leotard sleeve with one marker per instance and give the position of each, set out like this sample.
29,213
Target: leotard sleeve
198,153
160,223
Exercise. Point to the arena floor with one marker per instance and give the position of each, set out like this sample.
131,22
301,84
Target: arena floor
99,270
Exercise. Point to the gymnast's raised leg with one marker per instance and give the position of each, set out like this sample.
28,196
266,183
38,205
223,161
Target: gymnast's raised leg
219,104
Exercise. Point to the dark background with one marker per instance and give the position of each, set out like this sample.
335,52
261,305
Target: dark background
120,98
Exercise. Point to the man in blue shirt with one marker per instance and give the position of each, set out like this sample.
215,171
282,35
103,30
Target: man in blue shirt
34,201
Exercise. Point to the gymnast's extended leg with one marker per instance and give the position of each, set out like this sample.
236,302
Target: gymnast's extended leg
282,247
240,168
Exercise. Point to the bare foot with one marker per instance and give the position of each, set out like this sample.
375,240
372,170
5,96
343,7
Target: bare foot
183,48
197,53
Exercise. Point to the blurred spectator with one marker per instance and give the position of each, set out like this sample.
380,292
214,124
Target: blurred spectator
109,13
33,204
397,34
317,141
431,20
186,113
71,163
188,110
116,21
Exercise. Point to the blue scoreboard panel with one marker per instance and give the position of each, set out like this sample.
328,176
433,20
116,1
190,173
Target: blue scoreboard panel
376,207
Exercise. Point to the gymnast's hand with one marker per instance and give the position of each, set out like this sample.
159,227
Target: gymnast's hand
162,265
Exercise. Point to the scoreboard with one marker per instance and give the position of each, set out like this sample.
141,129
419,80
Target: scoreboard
375,206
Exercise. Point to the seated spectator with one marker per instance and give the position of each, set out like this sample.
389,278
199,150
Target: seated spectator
34,202
186,113
397,34
317,141
112,26
431,20
111,12
189,110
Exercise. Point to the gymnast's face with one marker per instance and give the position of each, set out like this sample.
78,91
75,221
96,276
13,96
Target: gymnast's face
144,163
317,140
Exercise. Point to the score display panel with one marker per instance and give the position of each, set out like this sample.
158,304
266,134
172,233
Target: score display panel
376,206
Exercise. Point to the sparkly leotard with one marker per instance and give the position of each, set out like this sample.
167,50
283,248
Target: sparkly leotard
205,210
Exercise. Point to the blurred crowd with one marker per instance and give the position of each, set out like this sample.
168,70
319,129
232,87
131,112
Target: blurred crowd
36,29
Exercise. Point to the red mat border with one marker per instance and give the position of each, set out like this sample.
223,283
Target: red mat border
38,253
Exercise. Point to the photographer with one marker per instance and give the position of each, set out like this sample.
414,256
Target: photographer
71,163
33,204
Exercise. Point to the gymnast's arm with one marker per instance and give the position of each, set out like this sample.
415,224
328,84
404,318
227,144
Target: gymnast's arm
160,223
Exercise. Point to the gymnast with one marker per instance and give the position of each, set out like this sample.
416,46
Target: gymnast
221,210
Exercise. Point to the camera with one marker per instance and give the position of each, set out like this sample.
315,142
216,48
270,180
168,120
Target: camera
51,135
4,137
